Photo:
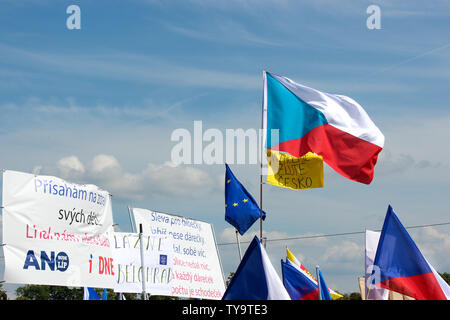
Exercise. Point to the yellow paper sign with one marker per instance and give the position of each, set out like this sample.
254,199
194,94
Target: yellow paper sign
290,172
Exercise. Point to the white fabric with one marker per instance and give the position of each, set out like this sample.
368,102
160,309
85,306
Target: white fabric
275,286
340,111
375,293
86,294
444,286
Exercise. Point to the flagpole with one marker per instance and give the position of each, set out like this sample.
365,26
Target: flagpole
141,244
318,283
133,227
239,245
261,163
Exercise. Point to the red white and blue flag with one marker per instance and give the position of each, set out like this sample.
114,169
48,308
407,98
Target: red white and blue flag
333,126
402,267
255,277
298,284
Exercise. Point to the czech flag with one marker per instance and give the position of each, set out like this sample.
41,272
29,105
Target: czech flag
333,126
255,277
402,267
299,282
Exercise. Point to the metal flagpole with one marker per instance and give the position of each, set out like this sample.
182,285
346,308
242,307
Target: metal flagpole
239,245
141,244
133,227
318,283
261,162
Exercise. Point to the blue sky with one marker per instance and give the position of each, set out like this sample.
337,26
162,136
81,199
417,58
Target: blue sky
98,105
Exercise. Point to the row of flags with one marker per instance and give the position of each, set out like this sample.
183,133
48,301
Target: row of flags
397,261
256,279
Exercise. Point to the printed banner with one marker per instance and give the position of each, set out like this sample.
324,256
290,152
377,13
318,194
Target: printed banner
158,258
197,272
290,172
56,232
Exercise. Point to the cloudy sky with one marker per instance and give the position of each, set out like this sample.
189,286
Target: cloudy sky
98,105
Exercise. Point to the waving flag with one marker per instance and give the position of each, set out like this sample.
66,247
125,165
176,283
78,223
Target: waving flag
324,293
241,210
299,282
402,266
333,126
255,277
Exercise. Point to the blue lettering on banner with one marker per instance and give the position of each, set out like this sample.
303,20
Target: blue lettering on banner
71,191
60,262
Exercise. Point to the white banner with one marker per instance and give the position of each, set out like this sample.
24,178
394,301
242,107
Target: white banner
56,232
158,257
372,272
197,272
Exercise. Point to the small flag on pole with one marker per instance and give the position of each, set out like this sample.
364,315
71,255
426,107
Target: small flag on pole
324,293
241,210
255,277
299,282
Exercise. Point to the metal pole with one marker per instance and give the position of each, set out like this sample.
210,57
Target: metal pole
141,244
239,245
318,283
133,227
261,162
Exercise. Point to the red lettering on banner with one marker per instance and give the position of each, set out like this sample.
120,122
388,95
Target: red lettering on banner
105,266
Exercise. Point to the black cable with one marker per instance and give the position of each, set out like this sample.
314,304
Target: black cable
332,234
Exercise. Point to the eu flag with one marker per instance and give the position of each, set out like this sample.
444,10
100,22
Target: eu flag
241,210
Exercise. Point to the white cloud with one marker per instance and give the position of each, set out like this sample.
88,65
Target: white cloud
103,162
345,252
70,164
434,245
106,171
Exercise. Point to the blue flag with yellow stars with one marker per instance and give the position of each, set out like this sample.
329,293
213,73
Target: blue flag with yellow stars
241,210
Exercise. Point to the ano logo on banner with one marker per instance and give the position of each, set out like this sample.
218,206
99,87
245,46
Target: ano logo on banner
54,262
